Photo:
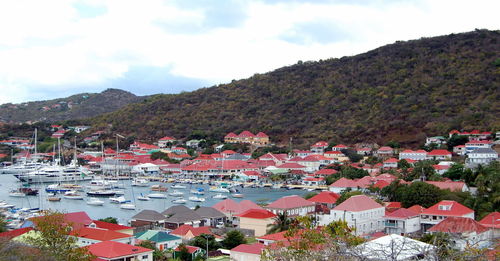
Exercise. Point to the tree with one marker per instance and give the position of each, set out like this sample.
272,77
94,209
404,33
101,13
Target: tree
347,194
420,193
309,195
422,169
53,237
233,239
352,155
281,223
183,253
403,164
111,220
456,140
201,242
3,224
393,144
158,255
352,173
457,172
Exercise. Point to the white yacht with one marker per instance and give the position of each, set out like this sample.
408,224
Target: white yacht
179,201
139,182
55,174
220,196
177,186
95,202
219,189
128,206
196,199
119,200
176,193
157,195
72,195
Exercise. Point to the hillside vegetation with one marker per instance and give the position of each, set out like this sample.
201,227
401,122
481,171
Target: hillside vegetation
402,91
78,106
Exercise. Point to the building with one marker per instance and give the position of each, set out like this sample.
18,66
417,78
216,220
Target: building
116,251
148,218
161,239
451,185
442,210
464,232
385,152
187,232
439,155
343,184
360,212
319,147
247,252
211,216
292,205
339,147
166,142
492,221
391,163
88,236
181,215
394,247
479,144
194,251
326,199
402,221
257,220
481,156
413,155
438,140
259,139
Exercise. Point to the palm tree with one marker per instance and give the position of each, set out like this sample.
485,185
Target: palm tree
281,223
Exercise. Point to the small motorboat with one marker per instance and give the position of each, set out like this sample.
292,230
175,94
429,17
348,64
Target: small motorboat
143,198
117,200
72,195
57,188
138,182
5,205
220,196
17,194
119,192
157,195
237,195
177,186
198,191
54,199
176,193
179,201
219,189
128,206
159,188
95,202
196,199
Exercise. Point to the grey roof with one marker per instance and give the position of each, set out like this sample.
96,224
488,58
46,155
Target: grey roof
180,214
149,215
237,156
484,151
209,212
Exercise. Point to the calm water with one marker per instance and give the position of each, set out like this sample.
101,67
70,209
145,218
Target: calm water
9,182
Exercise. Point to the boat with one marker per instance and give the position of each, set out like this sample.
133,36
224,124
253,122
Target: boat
139,182
127,206
22,168
118,200
95,202
28,191
5,205
237,195
179,201
196,199
220,196
143,198
218,189
198,191
157,195
177,186
101,193
56,188
56,173
72,195
159,188
54,199
99,183
17,194
176,193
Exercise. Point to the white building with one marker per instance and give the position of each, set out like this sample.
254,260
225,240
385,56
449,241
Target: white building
442,210
360,212
481,156
413,154
464,232
402,222
478,144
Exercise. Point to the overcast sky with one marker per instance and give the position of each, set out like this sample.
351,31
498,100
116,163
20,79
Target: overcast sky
51,49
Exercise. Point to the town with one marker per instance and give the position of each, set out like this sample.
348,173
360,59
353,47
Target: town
367,201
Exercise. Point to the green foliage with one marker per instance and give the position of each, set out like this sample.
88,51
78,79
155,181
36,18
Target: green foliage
402,92
111,220
403,164
457,172
233,239
456,140
281,223
311,194
330,179
183,253
393,144
201,242
3,224
421,169
417,193
238,147
162,155
157,254
351,172
352,155
347,194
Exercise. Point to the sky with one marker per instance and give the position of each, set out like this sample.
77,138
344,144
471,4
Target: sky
52,49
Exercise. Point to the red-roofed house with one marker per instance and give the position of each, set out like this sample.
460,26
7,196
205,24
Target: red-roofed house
358,211
256,220
459,150
319,147
492,221
247,137
385,152
292,166
417,209
11,235
439,155
413,155
472,145
194,251
343,184
188,232
325,198
391,163
464,231
443,209
364,151
293,205
112,250
166,141
451,185
339,147
325,172
113,227
231,208
402,221
87,236
247,252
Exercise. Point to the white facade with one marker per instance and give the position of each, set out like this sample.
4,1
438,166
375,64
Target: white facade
436,140
292,212
400,226
82,241
471,146
481,157
414,155
435,219
365,222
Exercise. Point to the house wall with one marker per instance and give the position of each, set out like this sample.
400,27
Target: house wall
365,222
339,190
169,244
292,212
82,241
260,226
239,256
402,226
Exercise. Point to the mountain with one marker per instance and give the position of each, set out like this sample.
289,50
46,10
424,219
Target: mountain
402,92
83,105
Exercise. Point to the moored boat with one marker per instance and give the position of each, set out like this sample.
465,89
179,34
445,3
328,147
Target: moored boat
159,188
95,202
101,193
176,193
72,195
219,189
237,195
118,200
156,195
177,186
220,196
196,199
128,206
179,201
17,194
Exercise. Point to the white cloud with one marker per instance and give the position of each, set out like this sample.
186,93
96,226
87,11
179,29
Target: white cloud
50,44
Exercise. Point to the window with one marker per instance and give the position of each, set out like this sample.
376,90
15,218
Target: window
145,257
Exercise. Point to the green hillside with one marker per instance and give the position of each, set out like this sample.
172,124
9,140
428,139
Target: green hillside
402,91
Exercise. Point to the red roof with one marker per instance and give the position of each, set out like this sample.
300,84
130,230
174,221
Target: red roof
453,208
255,248
290,166
110,226
98,234
478,142
15,233
231,135
439,153
417,209
381,184
454,132
491,220
257,214
288,202
391,160
393,205
320,144
231,206
261,135
326,172
358,203
184,229
228,152
191,249
458,225
344,183
451,185
385,148
246,134
167,138
113,249
402,213
325,197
